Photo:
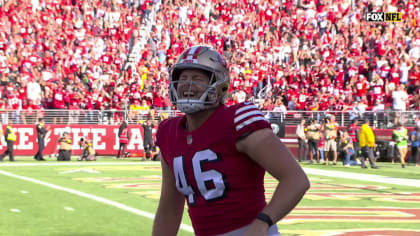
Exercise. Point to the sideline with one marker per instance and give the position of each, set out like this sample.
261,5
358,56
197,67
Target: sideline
82,163
92,197
364,177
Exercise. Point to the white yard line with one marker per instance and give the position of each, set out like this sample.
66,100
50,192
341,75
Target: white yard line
92,197
364,177
69,208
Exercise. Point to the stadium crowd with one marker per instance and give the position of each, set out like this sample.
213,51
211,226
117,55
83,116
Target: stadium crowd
288,55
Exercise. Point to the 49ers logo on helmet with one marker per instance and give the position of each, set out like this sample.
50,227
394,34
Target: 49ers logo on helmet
190,56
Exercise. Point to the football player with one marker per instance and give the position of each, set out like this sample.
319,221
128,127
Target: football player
214,157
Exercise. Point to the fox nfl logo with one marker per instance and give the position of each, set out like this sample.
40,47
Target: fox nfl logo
383,17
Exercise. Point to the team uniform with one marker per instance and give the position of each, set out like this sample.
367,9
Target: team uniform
223,187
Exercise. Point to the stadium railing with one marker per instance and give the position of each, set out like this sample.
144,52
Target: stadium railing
383,120
64,116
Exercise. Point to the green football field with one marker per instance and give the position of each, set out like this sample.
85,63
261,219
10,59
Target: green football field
120,197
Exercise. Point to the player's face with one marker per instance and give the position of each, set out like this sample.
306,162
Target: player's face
192,83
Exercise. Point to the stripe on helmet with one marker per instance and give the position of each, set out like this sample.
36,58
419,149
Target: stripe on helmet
192,53
196,52
186,54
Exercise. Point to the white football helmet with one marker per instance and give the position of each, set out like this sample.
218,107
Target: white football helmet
209,61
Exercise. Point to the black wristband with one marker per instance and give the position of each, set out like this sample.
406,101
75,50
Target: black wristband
266,218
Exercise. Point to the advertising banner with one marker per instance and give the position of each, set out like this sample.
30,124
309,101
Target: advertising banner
104,139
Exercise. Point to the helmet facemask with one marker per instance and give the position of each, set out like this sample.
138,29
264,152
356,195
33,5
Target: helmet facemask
196,95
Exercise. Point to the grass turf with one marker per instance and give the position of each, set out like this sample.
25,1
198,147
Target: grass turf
27,208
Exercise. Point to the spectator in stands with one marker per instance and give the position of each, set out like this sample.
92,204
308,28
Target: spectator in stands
240,95
280,108
166,103
355,112
33,90
378,106
59,96
292,103
28,113
144,108
268,104
85,41
399,102
134,112
15,104
4,111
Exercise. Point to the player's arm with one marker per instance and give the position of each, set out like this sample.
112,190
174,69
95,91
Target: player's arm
171,205
270,153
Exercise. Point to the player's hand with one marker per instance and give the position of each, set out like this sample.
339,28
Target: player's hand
257,228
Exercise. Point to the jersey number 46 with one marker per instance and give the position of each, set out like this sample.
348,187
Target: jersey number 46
211,183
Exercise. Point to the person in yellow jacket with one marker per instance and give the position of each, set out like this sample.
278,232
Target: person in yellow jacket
10,138
367,143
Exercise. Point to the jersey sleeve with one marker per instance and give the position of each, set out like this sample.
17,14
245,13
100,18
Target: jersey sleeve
247,118
165,137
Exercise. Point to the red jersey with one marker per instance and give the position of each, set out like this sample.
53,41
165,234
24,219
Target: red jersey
362,87
59,102
353,132
237,83
377,91
302,100
224,188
